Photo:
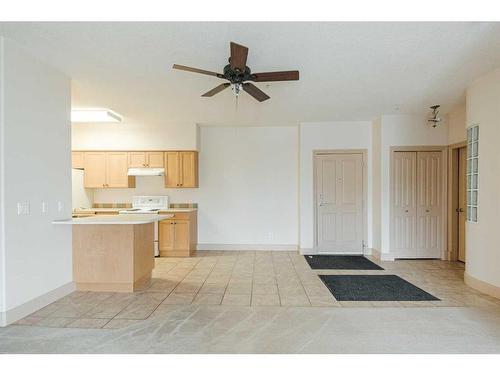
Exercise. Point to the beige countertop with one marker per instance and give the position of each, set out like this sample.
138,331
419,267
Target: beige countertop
92,210
129,219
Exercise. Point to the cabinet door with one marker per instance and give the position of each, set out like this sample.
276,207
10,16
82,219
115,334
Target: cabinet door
137,159
404,204
188,169
77,159
166,235
181,239
94,165
154,159
429,204
172,169
116,170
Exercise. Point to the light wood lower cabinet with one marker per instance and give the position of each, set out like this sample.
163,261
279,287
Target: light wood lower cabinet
178,235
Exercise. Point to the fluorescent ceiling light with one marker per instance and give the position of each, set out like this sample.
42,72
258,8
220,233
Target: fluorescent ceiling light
94,115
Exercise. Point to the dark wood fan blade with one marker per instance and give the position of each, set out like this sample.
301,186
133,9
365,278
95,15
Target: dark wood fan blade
196,70
290,75
255,92
216,90
239,55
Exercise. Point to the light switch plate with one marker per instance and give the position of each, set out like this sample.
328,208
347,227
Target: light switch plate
45,207
23,208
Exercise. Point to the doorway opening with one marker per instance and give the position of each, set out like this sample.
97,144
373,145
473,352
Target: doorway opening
339,201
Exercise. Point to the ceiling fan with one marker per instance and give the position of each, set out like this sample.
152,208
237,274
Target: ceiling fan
238,73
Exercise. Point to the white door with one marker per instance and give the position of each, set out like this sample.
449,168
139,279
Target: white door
429,204
404,227
339,203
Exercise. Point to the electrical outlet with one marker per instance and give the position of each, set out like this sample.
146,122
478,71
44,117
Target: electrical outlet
45,207
60,206
23,208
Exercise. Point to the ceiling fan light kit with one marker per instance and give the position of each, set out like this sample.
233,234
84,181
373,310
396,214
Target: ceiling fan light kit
238,73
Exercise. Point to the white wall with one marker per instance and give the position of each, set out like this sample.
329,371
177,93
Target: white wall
403,130
80,197
248,192
456,124
328,136
36,167
134,136
482,238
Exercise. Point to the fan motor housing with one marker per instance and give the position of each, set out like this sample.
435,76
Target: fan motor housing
236,76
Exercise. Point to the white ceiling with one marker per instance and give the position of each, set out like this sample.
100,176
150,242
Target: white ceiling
348,71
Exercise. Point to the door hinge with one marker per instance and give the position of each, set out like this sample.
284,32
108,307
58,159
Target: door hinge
363,244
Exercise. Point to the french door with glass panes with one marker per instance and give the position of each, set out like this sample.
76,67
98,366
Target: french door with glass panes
417,204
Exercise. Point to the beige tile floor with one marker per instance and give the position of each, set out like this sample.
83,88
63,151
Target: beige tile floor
246,278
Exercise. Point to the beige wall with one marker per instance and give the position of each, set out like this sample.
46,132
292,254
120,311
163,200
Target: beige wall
456,124
483,237
377,184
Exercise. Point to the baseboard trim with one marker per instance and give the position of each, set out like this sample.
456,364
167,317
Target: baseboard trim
27,308
247,247
382,256
482,286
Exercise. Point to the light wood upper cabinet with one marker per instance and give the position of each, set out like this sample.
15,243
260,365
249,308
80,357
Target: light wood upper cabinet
181,169
107,170
155,159
77,159
136,159
145,159
116,170
94,166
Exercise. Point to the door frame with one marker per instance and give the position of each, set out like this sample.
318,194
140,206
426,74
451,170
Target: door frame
364,176
444,192
452,238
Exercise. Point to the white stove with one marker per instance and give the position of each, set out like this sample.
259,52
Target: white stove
148,204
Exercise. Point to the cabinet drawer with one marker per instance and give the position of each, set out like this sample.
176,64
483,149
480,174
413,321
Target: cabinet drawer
178,215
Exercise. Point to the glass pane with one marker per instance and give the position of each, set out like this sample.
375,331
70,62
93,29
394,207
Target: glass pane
474,198
474,214
474,181
469,149
469,134
475,133
469,181
474,165
468,213
469,165
469,197
474,149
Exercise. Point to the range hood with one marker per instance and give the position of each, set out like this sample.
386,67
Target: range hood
146,171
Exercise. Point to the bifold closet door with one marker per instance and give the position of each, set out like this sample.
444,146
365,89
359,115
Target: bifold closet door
404,228
429,204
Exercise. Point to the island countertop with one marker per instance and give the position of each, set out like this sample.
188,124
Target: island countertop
128,219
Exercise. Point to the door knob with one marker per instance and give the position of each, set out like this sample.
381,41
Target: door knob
460,210
406,210
427,211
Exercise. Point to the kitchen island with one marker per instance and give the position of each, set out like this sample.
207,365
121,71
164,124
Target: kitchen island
113,253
